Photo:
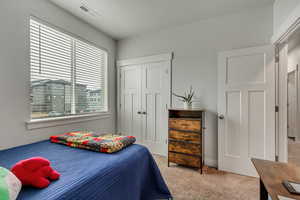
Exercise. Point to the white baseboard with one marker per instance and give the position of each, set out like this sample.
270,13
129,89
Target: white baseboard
211,162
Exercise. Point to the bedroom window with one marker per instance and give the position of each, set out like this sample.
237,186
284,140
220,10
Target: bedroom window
67,74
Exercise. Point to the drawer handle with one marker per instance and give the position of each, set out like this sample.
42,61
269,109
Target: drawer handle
185,124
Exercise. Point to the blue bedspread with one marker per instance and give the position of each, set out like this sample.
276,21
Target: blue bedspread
130,174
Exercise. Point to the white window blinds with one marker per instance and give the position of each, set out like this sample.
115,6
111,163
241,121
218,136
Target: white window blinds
90,71
68,76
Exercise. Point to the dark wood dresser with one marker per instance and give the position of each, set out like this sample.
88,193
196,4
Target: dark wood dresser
186,141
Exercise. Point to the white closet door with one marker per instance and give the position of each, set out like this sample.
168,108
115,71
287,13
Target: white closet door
130,121
144,96
155,90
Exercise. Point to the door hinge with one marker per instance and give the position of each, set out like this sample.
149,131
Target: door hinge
276,158
276,59
276,55
276,108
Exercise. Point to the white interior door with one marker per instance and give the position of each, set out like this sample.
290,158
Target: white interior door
246,106
130,120
155,90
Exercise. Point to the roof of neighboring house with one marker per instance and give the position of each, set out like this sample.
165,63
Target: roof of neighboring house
94,91
47,81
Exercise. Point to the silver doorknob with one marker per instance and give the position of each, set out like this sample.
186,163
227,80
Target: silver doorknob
221,116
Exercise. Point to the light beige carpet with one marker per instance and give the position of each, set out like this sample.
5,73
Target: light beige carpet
189,184
294,152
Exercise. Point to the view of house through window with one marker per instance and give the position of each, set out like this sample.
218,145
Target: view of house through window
68,76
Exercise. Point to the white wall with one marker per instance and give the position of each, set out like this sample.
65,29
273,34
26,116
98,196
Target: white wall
15,69
282,9
294,51
195,47
286,13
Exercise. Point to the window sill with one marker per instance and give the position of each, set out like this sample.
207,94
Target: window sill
60,121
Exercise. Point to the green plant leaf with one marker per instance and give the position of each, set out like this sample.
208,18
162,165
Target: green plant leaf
179,96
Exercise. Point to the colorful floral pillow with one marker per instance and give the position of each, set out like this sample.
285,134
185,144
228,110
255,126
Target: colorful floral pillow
10,186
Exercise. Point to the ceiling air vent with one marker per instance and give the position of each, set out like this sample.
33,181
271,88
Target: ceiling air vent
89,11
85,9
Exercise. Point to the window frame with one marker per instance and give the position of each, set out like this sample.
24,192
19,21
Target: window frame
33,123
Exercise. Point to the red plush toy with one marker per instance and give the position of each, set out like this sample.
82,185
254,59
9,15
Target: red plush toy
35,172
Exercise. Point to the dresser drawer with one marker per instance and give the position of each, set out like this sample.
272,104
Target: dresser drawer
185,124
185,147
185,136
186,160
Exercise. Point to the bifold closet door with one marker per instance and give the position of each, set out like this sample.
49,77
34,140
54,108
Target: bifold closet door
144,96
130,119
155,96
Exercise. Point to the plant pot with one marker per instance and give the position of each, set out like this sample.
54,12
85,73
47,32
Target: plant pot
187,105
196,104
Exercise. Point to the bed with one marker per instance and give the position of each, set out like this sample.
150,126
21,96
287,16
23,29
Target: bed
130,174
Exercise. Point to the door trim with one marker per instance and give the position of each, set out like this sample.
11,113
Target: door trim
167,57
146,59
279,40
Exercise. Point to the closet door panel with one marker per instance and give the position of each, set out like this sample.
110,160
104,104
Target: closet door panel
154,99
130,102
149,118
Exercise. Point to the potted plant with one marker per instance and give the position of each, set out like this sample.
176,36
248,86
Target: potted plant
187,98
